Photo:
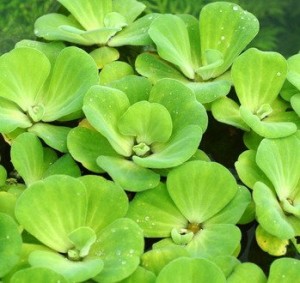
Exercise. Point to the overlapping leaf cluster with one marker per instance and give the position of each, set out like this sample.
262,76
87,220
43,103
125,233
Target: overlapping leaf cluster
113,185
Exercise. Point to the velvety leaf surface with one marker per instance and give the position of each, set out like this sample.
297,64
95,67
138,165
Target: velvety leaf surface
130,9
196,187
106,202
279,159
103,107
129,175
293,75
74,271
67,88
173,46
40,207
28,157
120,246
156,213
284,270
10,244
258,77
86,145
23,74
37,275
193,270
140,275
226,28
114,71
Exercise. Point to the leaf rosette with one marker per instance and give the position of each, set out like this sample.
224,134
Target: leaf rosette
258,77
37,89
199,52
138,129
197,209
82,222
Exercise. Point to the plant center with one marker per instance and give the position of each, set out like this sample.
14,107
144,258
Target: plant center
36,112
141,149
194,227
74,255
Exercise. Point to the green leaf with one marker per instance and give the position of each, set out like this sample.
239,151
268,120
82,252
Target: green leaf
103,107
295,102
104,55
196,187
212,240
173,47
154,68
226,110
3,175
248,170
27,157
284,270
52,135
192,270
120,246
134,34
7,204
272,130
23,74
279,159
156,213
106,202
258,77
130,9
293,74
38,274
86,145
11,117
146,122
270,214
270,243
114,71
10,244
65,96
127,174
228,29
140,275
241,274
89,14
74,271
66,196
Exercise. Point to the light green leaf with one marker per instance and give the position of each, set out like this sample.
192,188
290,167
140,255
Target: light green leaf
226,110
146,122
135,33
8,203
28,157
241,274
270,214
3,175
65,196
86,145
279,159
89,14
227,28
140,275
272,130
113,71
258,77
192,270
154,68
65,95
10,244
106,202
11,117
180,147
156,213
74,271
127,174
52,135
284,270
130,9
104,55
293,74
37,275
60,27
212,240
23,74
295,102
196,187
173,46
103,107
120,246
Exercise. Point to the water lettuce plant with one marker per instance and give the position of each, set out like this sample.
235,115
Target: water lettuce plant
116,161
138,132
